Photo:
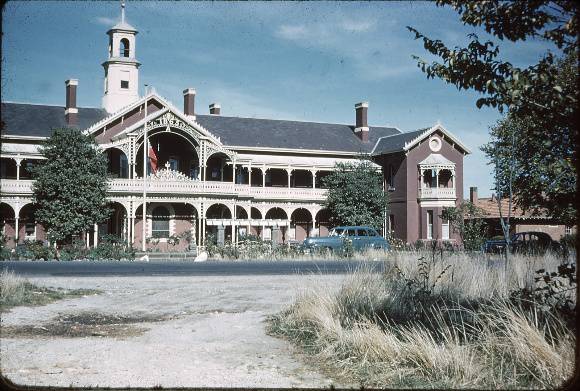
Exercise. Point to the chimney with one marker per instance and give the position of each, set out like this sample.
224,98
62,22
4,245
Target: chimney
189,102
71,111
473,195
215,109
362,128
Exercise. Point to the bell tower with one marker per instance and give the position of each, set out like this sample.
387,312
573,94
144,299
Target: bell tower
121,68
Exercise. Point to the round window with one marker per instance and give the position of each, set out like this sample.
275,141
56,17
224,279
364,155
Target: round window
435,144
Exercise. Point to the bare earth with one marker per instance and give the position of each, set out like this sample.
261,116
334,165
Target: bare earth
167,331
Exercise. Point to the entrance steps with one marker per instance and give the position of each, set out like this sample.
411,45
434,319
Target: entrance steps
166,256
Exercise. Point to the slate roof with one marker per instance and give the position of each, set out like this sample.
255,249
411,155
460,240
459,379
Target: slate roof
395,142
24,119
38,120
253,132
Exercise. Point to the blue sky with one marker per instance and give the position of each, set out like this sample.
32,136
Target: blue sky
306,61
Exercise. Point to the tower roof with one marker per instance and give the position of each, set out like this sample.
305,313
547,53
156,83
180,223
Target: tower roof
124,26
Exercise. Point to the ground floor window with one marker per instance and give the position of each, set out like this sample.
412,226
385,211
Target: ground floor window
392,224
30,230
429,224
445,229
160,222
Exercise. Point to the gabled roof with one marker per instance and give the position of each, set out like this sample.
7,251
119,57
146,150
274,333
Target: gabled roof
436,158
33,120
39,120
268,133
406,141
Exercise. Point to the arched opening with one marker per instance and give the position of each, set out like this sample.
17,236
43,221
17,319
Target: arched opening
242,175
320,175
430,178
241,213
301,224
301,178
277,214
218,169
445,178
276,177
117,163
7,168
116,223
124,47
221,216
323,222
28,229
172,150
26,168
8,224
257,179
256,229
256,214
242,229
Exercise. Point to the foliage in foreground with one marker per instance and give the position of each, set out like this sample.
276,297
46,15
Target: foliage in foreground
440,323
355,195
467,220
17,291
541,99
70,185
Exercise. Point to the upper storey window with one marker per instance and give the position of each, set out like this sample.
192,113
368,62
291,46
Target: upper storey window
124,47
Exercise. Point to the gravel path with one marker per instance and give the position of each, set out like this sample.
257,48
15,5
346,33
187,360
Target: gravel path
208,332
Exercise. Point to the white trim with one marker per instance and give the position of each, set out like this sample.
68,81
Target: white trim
291,150
430,131
16,137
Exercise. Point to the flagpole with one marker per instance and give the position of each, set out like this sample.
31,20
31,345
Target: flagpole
145,150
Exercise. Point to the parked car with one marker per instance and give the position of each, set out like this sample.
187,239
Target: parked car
524,242
361,238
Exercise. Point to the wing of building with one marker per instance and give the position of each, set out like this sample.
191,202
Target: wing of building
215,174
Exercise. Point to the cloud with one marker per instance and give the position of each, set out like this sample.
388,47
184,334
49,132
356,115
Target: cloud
357,26
293,33
104,20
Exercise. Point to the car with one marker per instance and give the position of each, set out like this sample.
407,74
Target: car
362,237
524,242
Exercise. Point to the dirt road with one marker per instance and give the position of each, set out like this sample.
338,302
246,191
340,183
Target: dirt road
167,331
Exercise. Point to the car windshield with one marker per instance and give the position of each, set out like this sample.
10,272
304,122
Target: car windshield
336,232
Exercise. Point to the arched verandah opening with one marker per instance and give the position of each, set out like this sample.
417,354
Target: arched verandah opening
117,163
218,222
323,222
171,149
300,224
319,180
8,224
277,221
301,179
219,168
28,229
255,215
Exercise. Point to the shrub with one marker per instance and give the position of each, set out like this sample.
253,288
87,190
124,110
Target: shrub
112,247
4,251
74,251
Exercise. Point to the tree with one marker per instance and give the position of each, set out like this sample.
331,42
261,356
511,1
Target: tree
70,185
543,97
355,195
467,220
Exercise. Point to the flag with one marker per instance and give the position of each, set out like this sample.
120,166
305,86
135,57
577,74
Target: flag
152,159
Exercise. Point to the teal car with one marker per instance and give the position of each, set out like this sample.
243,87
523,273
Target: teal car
361,238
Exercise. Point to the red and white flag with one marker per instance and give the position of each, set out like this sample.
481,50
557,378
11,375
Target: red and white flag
152,159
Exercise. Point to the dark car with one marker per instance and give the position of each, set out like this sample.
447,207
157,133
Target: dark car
524,242
361,238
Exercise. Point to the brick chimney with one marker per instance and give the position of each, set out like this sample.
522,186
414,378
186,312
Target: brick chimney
362,128
215,109
473,195
189,102
71,111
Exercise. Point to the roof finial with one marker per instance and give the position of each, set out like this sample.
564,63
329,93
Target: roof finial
122,11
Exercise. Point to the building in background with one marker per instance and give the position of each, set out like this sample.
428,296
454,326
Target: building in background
214,174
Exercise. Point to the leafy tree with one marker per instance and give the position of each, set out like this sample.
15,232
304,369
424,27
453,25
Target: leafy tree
70,185
355,195
542,97
467,220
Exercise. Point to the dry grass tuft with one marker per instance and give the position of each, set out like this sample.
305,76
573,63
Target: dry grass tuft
434,323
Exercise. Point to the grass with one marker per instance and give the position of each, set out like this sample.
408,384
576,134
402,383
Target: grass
17,291
428,321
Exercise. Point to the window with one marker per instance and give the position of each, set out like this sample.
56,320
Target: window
362,232
392,224
124,84
351,232
123,166
445,229
568,230
391,177
160,222
372,232
124,47
429,224
30,229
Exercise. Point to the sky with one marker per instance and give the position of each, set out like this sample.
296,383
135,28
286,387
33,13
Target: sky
305,61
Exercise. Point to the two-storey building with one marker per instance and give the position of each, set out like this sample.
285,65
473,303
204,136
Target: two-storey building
175,171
